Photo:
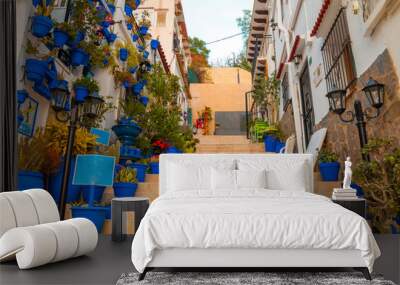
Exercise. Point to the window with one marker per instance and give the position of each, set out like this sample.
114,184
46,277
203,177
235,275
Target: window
161,18
285,91
338,56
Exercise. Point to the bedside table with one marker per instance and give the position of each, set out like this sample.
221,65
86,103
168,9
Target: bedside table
358,206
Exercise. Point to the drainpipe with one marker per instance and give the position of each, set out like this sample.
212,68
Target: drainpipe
292,86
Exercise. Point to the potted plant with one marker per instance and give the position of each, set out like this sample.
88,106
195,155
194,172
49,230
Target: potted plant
141,167
36,69
57,136
122,77
144,23
61,34
154,44
329,166
280,140
380,182
41,21
126,130
93,213
79,54
125,183
154,164
83,87
270,138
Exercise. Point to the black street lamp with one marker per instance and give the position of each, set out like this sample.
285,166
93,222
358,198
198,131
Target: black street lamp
374,92
61,103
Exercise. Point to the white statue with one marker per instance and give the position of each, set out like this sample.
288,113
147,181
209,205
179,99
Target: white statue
347,174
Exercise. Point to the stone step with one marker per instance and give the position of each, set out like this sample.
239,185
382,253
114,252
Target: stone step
205,140
152,178
230,148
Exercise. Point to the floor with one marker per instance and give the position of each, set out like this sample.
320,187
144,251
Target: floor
104,266
110,260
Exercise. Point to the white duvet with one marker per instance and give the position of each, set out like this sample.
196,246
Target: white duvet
250,219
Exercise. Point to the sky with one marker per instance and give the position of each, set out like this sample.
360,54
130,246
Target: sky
211,20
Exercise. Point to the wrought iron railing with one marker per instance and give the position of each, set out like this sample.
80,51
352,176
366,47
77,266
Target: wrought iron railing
338,56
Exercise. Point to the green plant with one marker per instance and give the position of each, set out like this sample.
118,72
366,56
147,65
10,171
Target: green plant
87,82
43,10
32,152
326,155
121,76
126,175
380,181
267,91
145,19
133,109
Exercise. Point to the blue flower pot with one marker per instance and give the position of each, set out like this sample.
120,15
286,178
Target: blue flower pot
138,87
137,2
133,69
55,183
143,30
37,2
146,54
278,146
155,167
129,26
42,90
30,180
135,37
144,100
108,212
60,37
329,171
81,92
78,57
154,44
141,170
36,69
173,149
128,10
124,189
123,54
127,133
95,214
269,143
41,26
112,8
98,192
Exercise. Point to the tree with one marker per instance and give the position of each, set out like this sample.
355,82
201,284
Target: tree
238,60
244,23
198,47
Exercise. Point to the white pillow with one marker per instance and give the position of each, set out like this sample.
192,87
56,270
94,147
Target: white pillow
183,178
223,179
286,174
251,178
193,176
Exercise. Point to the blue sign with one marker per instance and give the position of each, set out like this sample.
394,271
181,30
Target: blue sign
94,169
103,136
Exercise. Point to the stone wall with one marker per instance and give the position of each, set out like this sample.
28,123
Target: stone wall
286,123
343,138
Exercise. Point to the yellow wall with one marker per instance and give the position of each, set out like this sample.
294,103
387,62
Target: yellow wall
224,94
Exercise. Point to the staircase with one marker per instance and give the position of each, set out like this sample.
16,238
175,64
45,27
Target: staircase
228,144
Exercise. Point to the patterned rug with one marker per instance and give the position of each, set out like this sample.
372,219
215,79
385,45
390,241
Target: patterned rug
244,278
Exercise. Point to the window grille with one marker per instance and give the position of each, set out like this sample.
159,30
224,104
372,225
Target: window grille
338,56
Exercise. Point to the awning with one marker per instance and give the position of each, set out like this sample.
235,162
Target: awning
326,17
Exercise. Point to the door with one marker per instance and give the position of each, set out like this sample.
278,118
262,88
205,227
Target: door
230,123
307,104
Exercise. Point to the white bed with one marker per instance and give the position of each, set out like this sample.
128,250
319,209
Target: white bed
248,227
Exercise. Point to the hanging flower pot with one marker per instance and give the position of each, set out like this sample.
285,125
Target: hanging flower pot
80,36
37,2
105,24
140,48
78,57
138,87
329,171
135,37
123,54
146,54
155,168
144,100
129,26
112,8
126,84
60,37
128,10
41,26
143,30
137,3
21,96
35,69
81,92
133,69
154,44
42,90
